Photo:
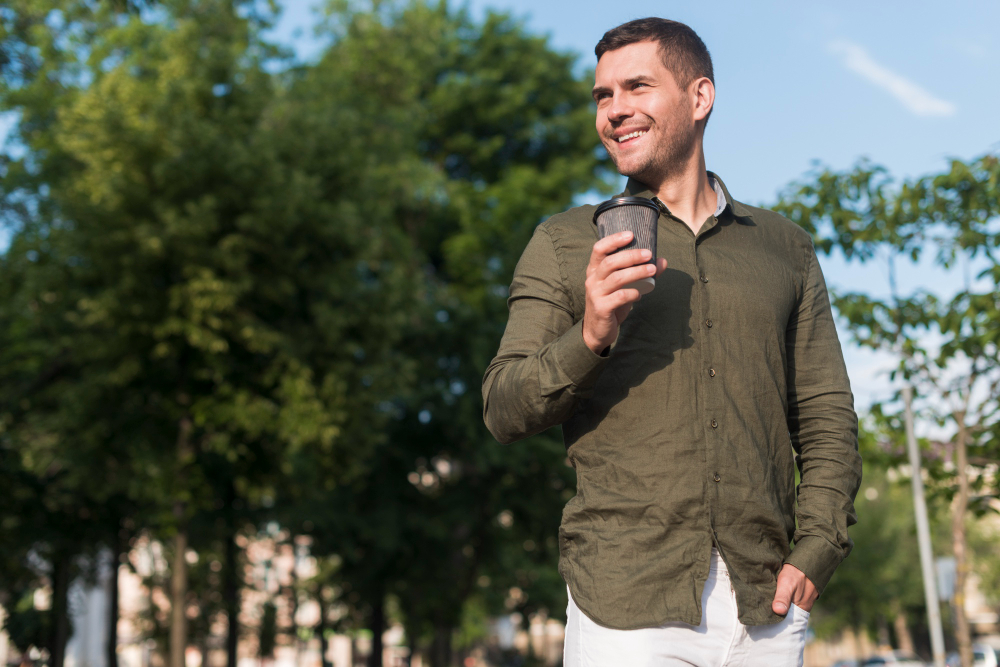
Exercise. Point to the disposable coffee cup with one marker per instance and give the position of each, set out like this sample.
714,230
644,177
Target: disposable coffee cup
631,214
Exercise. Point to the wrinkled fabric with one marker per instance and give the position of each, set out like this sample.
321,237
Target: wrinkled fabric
687,434
720,640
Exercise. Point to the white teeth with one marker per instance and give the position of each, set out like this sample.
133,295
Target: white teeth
633,135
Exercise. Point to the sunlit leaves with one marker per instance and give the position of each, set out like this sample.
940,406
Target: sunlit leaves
946,344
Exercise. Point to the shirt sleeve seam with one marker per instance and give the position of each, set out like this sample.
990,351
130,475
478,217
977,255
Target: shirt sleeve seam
557,250
810,254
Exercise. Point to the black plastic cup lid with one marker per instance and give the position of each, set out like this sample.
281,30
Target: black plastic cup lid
624,201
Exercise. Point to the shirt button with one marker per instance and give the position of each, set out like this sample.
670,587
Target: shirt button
715,424
703,278
717,477
711,372
709,323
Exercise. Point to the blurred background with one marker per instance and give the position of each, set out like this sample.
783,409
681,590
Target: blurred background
254,259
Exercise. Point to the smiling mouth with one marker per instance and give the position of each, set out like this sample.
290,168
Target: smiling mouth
632,135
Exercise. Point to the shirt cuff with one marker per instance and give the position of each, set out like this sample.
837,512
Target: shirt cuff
816,558
576,362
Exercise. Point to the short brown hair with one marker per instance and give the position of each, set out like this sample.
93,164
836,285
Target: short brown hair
683,52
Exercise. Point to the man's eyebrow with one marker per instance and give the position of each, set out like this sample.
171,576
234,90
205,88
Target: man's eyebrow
631,81
599,89
641,78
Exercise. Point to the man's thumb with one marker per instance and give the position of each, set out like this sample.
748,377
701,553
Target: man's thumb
782,597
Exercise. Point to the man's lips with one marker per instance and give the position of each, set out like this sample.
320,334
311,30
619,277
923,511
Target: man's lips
628,137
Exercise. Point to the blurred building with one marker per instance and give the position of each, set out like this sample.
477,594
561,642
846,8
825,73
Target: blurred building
275,567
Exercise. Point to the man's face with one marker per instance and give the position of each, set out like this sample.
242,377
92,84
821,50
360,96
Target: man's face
645,121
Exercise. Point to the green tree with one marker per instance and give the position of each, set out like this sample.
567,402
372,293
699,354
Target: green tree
880,581
984,543
239,291
194,299
497,133
947,345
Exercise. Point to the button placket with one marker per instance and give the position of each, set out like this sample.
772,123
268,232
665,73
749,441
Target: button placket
708,358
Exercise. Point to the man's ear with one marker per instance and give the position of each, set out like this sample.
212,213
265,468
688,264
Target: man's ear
703,97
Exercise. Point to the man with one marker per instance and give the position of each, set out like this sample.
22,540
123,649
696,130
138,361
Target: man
684,413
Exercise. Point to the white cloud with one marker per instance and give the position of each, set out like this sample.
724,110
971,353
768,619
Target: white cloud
974,50
917,100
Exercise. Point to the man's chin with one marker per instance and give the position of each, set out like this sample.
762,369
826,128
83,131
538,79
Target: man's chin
646,172
626,167
638,172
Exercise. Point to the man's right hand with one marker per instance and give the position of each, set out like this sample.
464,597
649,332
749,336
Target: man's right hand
607,303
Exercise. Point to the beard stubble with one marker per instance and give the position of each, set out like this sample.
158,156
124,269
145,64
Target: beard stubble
670,154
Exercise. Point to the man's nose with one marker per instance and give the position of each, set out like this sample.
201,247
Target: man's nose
620,108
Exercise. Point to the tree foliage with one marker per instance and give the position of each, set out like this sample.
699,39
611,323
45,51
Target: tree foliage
241,289
947,345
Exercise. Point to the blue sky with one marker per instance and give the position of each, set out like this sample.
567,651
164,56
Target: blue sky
908,85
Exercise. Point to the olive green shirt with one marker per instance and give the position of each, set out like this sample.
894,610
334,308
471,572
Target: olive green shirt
685,435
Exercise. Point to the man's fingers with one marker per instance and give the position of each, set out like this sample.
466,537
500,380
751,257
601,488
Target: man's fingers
621,312
625,297
661,265
617,280
783,594
609,244
609,300
598,289
620,260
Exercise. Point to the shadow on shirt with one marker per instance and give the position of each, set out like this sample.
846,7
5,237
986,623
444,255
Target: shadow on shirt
656,329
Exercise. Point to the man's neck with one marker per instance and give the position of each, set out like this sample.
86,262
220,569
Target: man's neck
688,193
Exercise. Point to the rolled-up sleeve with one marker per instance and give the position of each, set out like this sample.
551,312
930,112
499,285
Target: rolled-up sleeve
543,367
824,433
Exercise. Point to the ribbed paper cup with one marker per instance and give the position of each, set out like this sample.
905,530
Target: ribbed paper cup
634,214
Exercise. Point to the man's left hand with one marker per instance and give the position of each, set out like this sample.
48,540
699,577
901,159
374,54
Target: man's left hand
793,586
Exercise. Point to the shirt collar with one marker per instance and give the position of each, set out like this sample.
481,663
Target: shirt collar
634,188
720,195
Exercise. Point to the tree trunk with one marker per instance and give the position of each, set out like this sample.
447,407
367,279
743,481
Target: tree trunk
230,582
411,645
376,624
321,629
294,600
178,575
117,549
441,647
904,639
59,635
231,594
960,506
856,626
883,633
178,593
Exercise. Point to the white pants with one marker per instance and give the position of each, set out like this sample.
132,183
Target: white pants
720,641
